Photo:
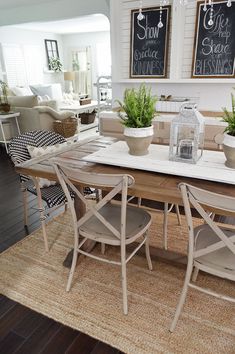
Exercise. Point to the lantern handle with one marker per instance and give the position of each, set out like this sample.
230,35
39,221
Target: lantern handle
188,108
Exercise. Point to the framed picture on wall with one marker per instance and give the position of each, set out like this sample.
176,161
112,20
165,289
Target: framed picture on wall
51,49
149,43
214,43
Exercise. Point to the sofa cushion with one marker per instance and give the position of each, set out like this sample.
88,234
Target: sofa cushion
41,90
21,91
54,91
23,101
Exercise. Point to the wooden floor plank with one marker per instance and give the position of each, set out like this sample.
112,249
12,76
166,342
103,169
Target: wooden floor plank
102,348
5,305
10,343
39,339
83,344
11,318
29,324
61,341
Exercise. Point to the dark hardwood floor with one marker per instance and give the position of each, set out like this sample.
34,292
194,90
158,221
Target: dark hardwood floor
23,331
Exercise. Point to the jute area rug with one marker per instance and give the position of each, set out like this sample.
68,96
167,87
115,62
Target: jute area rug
94,304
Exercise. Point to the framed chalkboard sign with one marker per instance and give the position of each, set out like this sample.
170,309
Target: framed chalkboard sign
149,43
214,45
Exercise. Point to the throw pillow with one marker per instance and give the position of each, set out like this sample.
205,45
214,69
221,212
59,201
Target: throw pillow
39,151
22,91
41,90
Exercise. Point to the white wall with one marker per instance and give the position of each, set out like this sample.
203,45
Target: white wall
80,40
12,35
213,93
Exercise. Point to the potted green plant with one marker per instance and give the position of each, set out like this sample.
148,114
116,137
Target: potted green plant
229,135
139,109
55,64
4,105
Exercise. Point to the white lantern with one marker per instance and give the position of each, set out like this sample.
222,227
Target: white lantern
187,135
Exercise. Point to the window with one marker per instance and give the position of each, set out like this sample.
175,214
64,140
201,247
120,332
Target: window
23,64
51,49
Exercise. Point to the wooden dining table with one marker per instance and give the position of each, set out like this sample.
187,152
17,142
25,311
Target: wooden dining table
148,185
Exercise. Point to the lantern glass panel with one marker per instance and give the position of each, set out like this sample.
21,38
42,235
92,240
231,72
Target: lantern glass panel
187,135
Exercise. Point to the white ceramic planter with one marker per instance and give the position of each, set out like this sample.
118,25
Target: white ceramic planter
138,132
138,140
229,150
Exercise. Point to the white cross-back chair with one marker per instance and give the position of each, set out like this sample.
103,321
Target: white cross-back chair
211,245
108,222
166,210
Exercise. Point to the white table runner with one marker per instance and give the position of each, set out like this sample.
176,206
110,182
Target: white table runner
210,167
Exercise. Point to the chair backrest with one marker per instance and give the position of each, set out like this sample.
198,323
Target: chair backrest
18,146
73,178
201,199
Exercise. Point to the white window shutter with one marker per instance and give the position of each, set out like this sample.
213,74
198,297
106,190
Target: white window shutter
15,65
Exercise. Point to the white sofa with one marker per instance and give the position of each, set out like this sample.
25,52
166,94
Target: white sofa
34,115
43,91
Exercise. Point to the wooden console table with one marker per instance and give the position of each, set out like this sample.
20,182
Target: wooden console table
77,108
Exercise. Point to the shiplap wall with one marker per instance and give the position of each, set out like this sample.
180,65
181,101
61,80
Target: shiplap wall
126,7
189,30
212,93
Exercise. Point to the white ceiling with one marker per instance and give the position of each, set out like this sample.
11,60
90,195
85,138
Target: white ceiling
5,4
91,23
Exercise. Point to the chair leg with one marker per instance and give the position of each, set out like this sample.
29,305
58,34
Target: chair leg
147,253
139,202
124,285
102,248
178,214
72,269
195,274
42,214
165,219
25,203
182,297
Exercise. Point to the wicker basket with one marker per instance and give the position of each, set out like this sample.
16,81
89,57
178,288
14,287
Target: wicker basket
85,101
87,118
66,127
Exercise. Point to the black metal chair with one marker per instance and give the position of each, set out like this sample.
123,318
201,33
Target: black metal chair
53,196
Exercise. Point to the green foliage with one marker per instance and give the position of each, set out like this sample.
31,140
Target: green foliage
229,117
139,106
3,92
55,64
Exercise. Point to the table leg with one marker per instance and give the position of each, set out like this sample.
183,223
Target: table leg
3,135
17,124
88,246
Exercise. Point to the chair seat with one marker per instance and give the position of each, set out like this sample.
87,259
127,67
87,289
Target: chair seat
223,260
53,195
138,220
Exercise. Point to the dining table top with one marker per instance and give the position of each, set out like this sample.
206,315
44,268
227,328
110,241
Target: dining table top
149,185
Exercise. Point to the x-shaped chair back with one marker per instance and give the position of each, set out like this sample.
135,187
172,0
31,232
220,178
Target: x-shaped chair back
200,200
73,177
217,263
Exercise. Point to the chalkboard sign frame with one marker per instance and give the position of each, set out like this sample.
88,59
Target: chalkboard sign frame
199,13
166,28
